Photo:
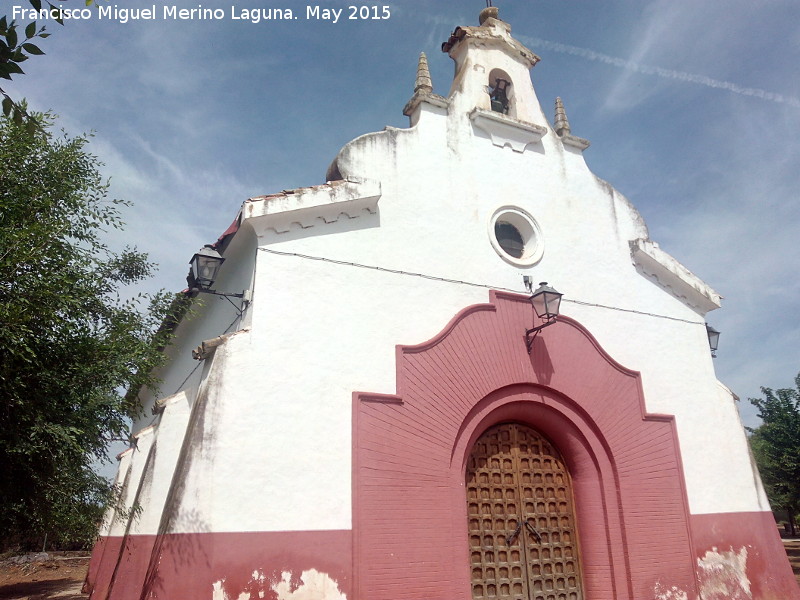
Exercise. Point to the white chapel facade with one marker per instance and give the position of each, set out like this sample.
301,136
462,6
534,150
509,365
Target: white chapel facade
370,420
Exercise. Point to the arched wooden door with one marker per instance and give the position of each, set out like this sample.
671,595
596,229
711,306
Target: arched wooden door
523,543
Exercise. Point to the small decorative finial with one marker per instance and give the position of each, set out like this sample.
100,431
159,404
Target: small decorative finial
490,12
561,125
563,131
423,85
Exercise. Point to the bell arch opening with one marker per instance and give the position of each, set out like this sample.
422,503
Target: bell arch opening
523,543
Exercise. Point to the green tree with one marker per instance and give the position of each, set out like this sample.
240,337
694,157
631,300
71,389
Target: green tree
776,447
16,46
70,340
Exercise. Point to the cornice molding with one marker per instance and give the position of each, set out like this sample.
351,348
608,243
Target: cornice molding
312,206
653,262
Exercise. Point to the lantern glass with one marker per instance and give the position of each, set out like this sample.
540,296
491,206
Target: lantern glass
713,338
205,265
546,301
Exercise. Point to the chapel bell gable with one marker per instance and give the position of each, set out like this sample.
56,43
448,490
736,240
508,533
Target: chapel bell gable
492,70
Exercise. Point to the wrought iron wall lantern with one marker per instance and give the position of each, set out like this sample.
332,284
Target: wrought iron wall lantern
713,339
205,265
546,303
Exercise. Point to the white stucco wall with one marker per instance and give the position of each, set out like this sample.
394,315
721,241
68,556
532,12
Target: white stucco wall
134,461
275,451
162,456
112,515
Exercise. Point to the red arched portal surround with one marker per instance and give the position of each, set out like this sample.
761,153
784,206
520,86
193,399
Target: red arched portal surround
410,451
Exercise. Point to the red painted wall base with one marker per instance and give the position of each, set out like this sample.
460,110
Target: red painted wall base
737,550
189,566
739,556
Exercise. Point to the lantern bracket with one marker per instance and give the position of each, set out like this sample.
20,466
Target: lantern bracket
530,334
245,295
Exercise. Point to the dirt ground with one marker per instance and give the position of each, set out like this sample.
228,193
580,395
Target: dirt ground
62,577
793,552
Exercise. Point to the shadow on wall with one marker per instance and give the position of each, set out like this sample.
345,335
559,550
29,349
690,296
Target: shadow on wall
540,359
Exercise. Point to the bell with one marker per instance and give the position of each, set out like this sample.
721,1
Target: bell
499,95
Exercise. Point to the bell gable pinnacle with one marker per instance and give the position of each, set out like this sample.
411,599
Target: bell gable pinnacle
423,84
423,93
561,123
561,126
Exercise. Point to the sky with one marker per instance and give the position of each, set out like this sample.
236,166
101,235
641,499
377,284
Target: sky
692,108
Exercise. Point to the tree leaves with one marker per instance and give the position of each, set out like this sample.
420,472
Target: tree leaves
11,37
14,51
71,341
776,446
31,49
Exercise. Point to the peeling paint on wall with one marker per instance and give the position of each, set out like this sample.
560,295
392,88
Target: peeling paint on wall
217,592
723,575
662,592
312,585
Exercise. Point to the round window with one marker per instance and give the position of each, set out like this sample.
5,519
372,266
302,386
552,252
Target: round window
509,238
516,236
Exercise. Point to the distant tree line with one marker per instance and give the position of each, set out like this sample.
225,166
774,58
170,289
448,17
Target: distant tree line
776,447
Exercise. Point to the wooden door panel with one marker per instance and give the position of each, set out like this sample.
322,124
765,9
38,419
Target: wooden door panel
493,507
521,519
